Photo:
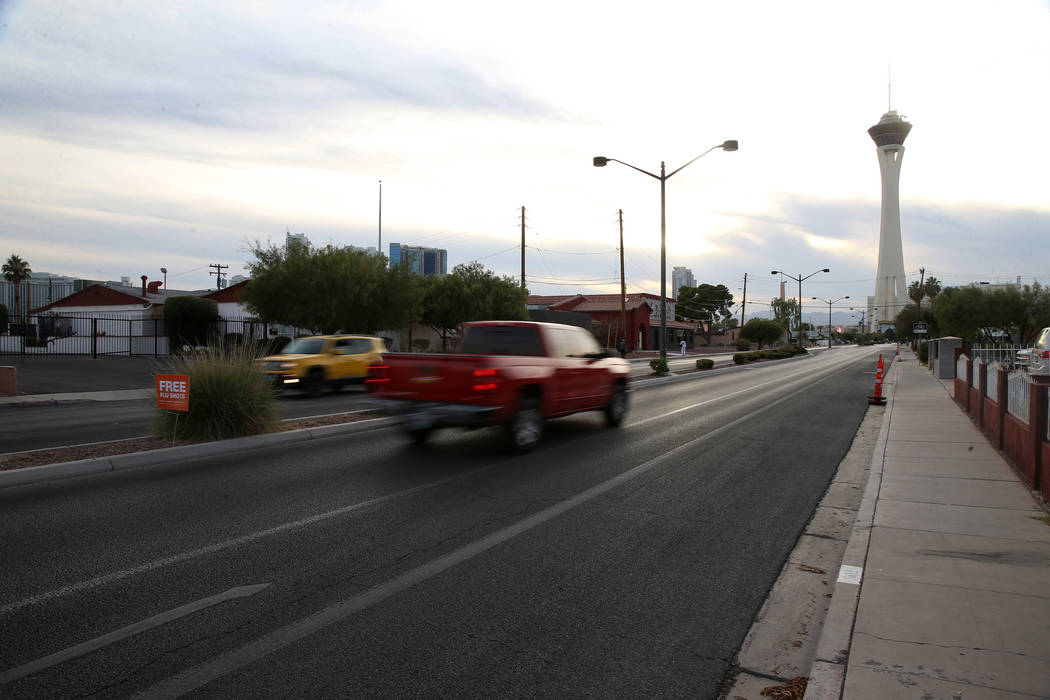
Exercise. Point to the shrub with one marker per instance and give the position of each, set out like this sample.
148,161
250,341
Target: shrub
420,344
659,365
229,396
705,363
924,352
3,318
190,320
743,344
232,339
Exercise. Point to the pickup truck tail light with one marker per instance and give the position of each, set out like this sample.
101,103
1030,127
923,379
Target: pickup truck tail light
377,374
485,380
1045,354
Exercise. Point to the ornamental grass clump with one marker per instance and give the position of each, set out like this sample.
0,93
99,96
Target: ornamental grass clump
229,396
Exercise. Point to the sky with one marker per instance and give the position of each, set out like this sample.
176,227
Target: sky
141,135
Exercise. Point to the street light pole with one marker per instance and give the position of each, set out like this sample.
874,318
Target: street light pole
800,279
600,162
829,302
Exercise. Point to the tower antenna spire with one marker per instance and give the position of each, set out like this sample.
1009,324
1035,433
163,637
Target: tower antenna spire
889,85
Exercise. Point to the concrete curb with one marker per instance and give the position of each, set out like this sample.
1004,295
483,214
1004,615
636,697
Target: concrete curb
827,677
167,455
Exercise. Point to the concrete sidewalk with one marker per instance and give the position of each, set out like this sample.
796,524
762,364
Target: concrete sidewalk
944,590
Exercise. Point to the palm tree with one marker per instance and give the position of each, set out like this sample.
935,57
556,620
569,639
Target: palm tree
16,271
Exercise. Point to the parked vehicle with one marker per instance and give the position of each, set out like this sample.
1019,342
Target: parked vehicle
509,373
310,364
1037,357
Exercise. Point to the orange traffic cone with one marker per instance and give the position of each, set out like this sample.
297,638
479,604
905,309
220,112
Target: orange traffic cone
877,399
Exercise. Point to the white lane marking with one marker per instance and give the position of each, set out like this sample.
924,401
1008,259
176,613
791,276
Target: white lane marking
320,517
850,574
199,676
124,632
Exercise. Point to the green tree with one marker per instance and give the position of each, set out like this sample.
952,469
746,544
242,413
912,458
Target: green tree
930,288
3,318
708,303
1008,315
761,330
16,271
786,313
904,324
190,320
329,289
471,293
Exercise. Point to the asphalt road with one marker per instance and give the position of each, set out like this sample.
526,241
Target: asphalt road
25,428
609,562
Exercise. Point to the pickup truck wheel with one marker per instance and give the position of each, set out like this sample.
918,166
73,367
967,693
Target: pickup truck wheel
616,409
313,383
526,427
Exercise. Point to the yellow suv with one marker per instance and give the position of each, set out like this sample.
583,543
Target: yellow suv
312,363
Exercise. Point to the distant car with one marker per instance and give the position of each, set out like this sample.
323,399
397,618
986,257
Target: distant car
1037,357
313,363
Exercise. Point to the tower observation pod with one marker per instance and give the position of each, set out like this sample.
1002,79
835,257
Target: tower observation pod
891,289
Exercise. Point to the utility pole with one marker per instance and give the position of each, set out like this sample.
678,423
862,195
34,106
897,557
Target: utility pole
623,286
743,304
219,274
523,247
380,217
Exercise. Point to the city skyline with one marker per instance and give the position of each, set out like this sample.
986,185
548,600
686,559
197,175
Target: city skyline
174,135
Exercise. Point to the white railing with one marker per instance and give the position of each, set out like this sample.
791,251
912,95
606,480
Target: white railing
1018,394
1005,355
991,386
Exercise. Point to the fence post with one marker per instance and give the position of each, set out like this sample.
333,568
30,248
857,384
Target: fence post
94,337
1037,408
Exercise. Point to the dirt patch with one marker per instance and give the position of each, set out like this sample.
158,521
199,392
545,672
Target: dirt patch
109,449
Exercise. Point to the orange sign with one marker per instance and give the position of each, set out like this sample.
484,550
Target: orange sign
173,392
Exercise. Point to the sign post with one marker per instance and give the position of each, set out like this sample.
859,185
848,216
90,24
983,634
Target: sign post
918,328
173,394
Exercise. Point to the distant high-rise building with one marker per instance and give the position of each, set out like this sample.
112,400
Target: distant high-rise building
681,277
891,287
291,239
419,260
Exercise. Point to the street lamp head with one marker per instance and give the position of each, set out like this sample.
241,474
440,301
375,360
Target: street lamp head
774,272
164,270
826,270
846,297
730,145
600,161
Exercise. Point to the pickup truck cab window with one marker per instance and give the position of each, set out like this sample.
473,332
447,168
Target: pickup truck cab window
502,340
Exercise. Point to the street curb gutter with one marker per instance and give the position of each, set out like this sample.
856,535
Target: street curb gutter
166,455
827,677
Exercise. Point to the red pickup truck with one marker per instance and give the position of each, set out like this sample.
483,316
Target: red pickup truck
509,373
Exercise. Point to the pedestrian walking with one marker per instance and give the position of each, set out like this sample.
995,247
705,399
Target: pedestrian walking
683,347
622,347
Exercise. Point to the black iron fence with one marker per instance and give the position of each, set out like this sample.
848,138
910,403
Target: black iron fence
47,334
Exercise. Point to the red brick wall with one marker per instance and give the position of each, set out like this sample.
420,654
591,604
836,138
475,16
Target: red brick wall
1044,476
1018,447
991,422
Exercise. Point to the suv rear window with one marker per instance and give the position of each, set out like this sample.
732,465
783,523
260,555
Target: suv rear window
502,340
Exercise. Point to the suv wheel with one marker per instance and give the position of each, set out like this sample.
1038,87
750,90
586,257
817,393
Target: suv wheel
313,383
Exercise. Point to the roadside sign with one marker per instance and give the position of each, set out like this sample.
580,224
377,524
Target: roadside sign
918,328
173,392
